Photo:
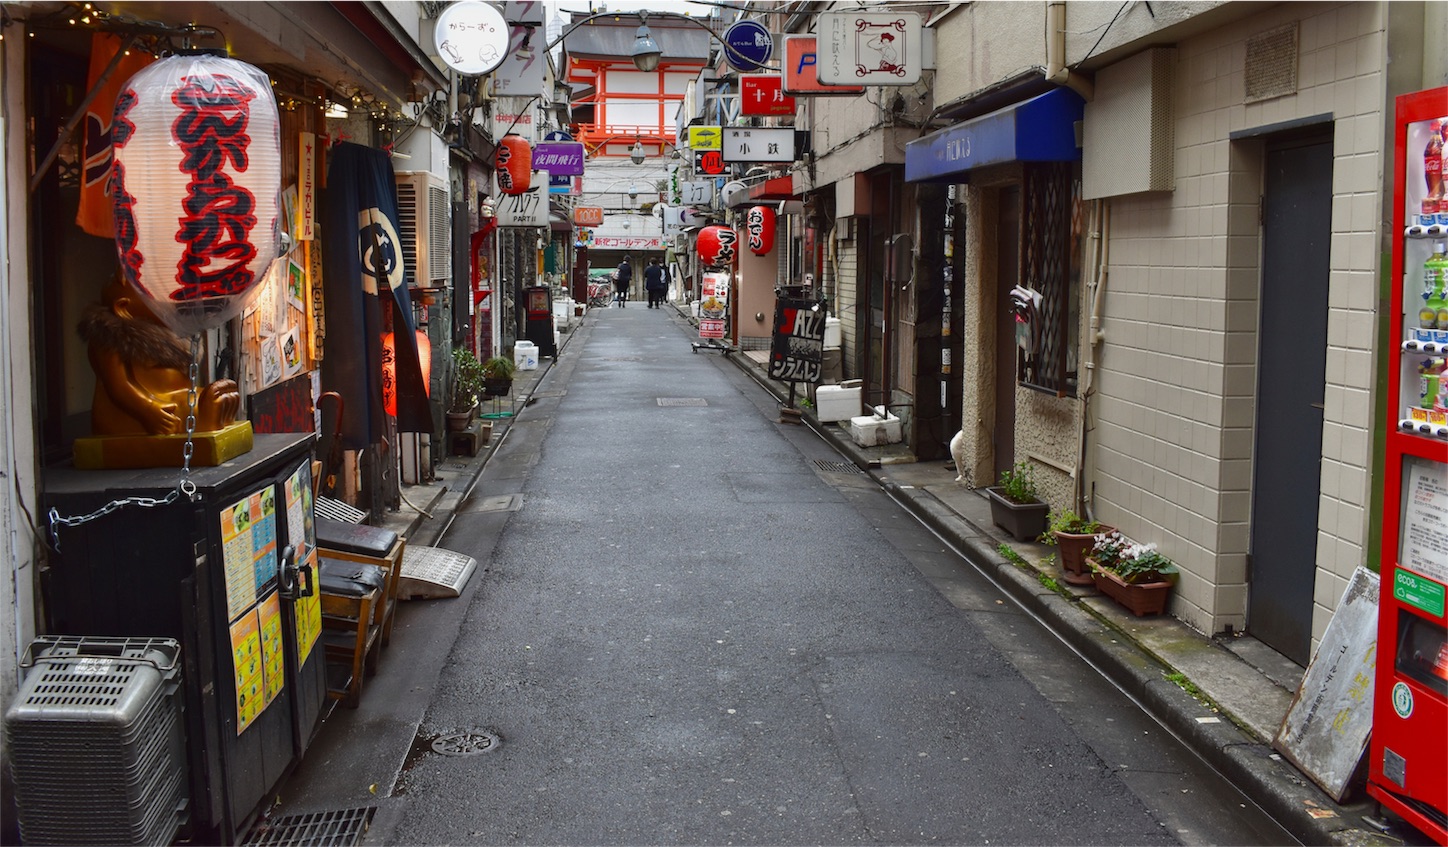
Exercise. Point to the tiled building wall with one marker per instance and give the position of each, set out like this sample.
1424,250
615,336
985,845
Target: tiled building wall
1177,380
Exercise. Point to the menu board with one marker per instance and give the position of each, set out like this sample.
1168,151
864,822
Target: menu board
799,341
249,549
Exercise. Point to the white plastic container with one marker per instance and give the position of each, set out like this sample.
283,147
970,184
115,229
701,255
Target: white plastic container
525,355
838,402
832,333
871,431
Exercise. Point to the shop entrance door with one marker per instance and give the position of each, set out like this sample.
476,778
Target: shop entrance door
1291,373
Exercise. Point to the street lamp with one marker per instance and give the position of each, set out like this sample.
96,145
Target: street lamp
636,152
646,51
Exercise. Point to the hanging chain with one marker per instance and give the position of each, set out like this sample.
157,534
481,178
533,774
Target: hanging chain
185,486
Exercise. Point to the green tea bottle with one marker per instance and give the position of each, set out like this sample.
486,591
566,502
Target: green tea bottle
1434,312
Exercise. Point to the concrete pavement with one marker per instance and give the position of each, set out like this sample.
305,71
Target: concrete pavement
1243,689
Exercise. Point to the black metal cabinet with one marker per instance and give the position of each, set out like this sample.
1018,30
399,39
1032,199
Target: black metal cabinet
208,572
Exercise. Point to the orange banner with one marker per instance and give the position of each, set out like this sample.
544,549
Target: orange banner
94,215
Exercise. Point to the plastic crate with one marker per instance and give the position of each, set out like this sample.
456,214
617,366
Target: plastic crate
95,741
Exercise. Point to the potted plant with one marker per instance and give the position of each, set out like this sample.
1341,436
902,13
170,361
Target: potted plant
1014,505
1074,536
498,376
466,388
1135,575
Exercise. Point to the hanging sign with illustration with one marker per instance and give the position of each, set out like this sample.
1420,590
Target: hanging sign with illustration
471,37
869,48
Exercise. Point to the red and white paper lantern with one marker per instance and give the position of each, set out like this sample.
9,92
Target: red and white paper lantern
759,223
514,164
197,187
716,246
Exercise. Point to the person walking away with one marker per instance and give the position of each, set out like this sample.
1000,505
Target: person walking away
622,276
654,283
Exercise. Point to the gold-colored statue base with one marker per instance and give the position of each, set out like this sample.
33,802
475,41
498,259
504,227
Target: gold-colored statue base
208,449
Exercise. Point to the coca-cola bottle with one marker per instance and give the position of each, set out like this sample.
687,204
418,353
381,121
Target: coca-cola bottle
1433,172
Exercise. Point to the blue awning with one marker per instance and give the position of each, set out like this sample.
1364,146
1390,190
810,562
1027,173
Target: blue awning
1042,129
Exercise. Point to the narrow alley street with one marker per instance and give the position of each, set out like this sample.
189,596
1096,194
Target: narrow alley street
689,628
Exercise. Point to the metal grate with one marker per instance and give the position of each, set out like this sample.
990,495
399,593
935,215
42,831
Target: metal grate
829,466
1271,64
683,401
338,511
314,829
1049,196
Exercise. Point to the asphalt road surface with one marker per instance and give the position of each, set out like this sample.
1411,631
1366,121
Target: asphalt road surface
691,627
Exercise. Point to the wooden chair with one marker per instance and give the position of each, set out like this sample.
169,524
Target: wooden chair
351,637
342,541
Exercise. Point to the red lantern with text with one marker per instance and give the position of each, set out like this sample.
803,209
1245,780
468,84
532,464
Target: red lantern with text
389,368
716,246
760,225
197,187
514,164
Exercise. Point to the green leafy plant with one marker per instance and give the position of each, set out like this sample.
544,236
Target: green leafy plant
467,380
1134,563
498,367
1071,523
1018,484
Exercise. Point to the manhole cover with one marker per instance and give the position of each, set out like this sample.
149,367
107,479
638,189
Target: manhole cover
316,829
465,743
683,401
837,467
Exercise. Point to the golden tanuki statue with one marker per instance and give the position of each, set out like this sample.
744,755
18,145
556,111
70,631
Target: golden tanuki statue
139,411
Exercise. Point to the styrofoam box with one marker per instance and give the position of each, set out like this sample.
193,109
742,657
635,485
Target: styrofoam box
871,431
838,402
525,355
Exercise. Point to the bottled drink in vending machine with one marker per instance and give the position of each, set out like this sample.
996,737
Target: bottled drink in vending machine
1433,173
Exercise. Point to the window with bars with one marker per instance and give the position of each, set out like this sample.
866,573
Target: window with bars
1051,240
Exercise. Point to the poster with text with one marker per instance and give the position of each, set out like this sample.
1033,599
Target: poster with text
246,660
249,549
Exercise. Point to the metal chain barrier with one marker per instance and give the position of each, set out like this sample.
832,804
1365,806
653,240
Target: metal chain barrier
185,486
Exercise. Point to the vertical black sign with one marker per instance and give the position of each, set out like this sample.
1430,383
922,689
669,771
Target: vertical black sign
799,341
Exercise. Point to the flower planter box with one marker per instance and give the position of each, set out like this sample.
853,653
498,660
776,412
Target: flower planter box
1024,521
1141,599
1074,548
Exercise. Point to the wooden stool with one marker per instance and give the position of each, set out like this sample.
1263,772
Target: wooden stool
350,593
370,545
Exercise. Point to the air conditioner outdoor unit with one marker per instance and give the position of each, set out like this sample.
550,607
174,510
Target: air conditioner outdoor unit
424,212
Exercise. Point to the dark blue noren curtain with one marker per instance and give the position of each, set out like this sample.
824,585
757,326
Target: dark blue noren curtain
361,266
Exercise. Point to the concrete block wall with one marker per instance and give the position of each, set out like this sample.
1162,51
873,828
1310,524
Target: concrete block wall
1177,378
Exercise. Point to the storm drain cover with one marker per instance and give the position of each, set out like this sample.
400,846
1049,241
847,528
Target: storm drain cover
465,743
683,401
343,828
829,466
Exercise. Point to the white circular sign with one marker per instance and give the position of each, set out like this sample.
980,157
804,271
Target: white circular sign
471,37
1403,700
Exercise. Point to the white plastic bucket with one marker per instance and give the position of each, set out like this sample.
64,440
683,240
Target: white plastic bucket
525,355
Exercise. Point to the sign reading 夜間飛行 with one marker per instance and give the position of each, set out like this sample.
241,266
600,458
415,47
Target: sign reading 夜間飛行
559,158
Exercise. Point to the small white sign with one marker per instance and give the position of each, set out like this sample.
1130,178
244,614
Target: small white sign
471,37
869,48
697,192
521,73
758,144
527,209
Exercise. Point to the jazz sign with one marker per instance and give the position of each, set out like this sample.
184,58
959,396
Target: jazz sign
799,341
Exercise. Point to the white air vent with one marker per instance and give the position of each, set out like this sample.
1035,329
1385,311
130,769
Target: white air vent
422,206
1128,129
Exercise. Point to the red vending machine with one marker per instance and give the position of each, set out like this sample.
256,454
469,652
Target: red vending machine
1409,752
